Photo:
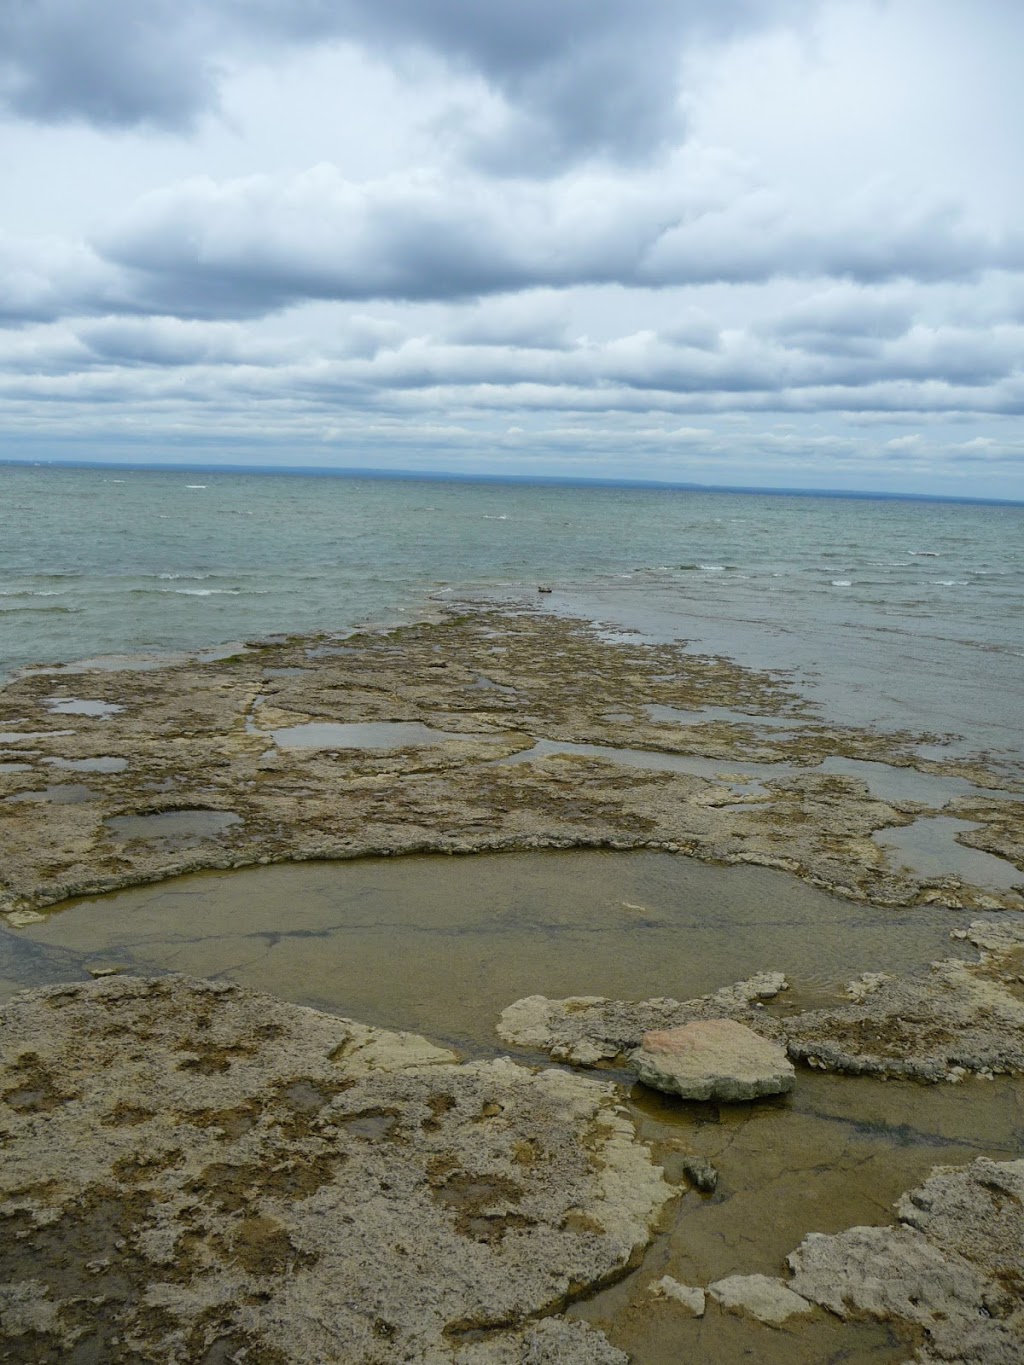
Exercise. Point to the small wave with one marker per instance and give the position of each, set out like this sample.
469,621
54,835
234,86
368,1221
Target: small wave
195,485
489,517
842,583
184,575
950,582
924,554
204,592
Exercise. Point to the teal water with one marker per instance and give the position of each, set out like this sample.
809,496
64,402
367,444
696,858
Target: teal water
889,612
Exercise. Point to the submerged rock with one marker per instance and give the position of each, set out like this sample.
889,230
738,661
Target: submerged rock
700,1172
587,1029
196,1171
715,1059
951,1267
958,1017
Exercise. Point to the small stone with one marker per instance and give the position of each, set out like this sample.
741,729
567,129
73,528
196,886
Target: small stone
693,1300
542,587
700,1172
762,1297
713,1059
106,969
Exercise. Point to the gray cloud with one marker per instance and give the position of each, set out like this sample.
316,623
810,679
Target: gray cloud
112,63
240,248
577,77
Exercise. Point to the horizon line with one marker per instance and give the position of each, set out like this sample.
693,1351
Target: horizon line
557,480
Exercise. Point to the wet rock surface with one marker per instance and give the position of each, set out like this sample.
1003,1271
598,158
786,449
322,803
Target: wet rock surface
198,738
197,1172
954,1019
952,1267
588,1029
714,1059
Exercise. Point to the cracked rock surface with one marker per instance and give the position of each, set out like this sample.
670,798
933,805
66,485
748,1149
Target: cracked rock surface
193,1171
951,1267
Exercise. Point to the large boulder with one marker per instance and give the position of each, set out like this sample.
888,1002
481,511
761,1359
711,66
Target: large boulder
713,1059
193,1171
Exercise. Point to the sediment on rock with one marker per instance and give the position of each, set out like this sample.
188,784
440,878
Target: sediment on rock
222,1173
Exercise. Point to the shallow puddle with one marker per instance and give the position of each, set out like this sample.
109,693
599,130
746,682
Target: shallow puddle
382,734
655,760
440,945
65,794
908,784
675,716
76,706
928,847
837,1152
103,764
173,824
18,736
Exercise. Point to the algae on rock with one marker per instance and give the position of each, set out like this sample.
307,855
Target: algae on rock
190,1166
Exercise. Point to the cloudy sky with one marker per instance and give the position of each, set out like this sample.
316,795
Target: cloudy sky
770,242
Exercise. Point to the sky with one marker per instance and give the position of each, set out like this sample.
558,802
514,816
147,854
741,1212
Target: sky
776,243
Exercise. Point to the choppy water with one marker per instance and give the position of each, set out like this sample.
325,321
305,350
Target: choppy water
890,612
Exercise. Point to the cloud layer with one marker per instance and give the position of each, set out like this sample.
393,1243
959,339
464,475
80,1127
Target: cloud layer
709,241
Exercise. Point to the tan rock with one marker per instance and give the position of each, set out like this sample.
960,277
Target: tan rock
714,1059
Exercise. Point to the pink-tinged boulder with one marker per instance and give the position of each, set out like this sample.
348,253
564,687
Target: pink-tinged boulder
713,1059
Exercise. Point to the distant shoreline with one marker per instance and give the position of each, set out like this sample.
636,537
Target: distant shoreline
534,480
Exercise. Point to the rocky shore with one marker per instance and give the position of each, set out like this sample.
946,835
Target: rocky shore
497,730
194,1171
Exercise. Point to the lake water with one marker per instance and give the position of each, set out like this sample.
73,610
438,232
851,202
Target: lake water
890,613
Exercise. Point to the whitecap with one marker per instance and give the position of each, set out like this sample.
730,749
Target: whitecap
712,568
195,485
842,583
950,582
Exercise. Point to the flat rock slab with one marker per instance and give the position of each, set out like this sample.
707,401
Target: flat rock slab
197,1172
713,1059
760,1296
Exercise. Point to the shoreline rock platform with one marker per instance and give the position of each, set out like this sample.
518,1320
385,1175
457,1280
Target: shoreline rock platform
115,777
192,1171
